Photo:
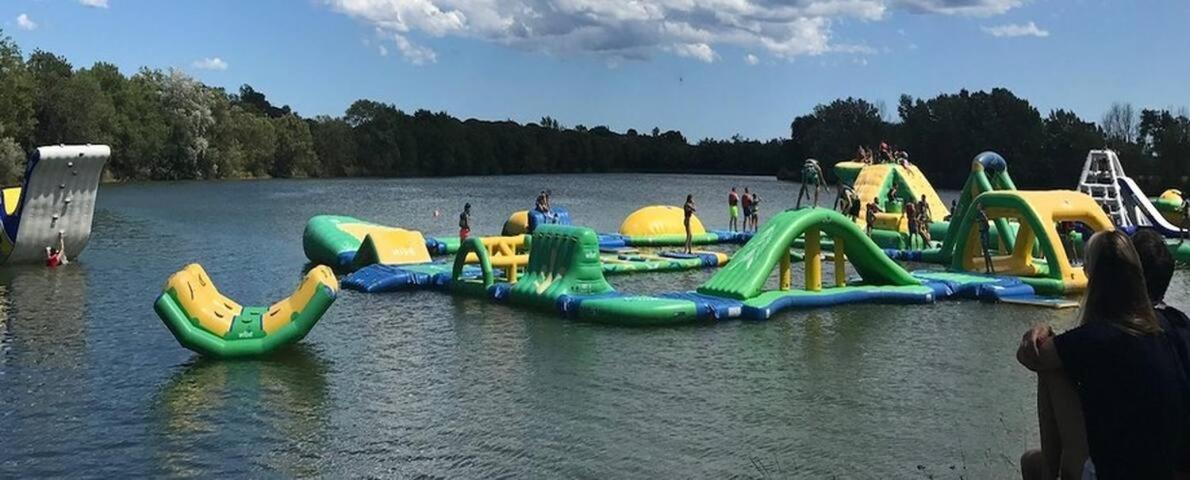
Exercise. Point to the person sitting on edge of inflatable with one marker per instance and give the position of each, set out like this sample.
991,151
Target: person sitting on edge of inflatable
56,256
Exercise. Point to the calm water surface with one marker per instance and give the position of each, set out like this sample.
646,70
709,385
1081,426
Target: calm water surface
424,384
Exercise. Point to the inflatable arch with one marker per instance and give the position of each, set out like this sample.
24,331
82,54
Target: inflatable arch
1036,215
56,196
745,276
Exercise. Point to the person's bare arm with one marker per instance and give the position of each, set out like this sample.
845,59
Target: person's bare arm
1036,350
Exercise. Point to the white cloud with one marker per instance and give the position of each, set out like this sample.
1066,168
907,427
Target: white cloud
699,51
94,3
1016,30
415,54
383,50
26,23
638,29
751,59
213,63
975,8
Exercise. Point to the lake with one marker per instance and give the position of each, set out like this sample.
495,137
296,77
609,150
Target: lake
425,384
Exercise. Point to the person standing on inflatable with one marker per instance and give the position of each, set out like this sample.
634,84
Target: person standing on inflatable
746,205
811,175
56,256
985,239
910,215
465,222
870,215
733,210
687,212
755,212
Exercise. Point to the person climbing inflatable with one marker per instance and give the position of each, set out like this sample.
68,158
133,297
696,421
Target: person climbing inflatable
56,256
811,175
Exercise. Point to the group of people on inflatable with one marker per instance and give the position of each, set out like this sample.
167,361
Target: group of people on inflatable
885,154
749,202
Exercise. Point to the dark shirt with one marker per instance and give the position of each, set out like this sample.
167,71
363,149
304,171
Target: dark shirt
982,218
465,220
1177,326
1132,390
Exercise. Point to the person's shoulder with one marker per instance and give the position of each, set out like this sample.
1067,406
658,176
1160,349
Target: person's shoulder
1172,316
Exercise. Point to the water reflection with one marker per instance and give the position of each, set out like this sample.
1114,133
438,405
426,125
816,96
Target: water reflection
271,413
43,310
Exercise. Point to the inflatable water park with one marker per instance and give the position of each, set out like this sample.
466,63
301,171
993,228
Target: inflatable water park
994,243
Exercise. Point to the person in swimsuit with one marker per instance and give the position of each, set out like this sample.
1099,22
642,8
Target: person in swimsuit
465,222
755,212
924,218
746,204
811,176
870,215
688,211
910,214
985,241
733,210
56,256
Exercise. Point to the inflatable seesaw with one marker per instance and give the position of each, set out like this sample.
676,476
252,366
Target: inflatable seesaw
565,275
56,196
205,321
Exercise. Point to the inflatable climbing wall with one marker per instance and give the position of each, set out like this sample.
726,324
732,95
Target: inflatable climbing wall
56,196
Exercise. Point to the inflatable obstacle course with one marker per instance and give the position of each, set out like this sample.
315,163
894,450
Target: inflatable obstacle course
338,240
874,181
1036,253
205,321
57,196
565,274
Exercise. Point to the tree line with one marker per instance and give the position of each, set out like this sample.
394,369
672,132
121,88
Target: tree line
165,125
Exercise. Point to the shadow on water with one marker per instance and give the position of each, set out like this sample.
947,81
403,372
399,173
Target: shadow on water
270,414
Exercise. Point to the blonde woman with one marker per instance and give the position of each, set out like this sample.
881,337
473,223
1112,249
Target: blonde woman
1111,395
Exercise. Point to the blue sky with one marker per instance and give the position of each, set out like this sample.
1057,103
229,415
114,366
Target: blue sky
710,68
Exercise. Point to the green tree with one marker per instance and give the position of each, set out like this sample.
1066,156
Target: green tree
17,87
12,162
294,155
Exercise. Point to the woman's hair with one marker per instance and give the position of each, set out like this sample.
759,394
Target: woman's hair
689,198
1116,291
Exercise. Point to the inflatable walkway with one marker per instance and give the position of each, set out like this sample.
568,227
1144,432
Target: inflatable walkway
565,275
57,196
205,321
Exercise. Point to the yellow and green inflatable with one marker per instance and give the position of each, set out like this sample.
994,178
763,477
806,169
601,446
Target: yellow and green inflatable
205,321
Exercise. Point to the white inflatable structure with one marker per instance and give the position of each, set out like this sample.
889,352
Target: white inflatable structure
57,196
1104,180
